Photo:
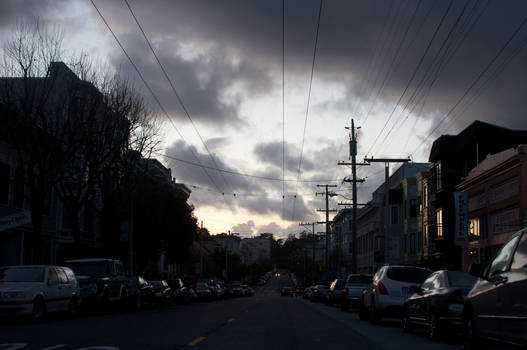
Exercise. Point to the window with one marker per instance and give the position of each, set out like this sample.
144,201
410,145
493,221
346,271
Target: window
413,208
519,260
439,222
62,276
52,276
438,175
425,196
395,215
4,183
473,228
499,264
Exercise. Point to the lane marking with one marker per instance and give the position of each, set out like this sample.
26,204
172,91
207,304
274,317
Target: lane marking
196,341
54,347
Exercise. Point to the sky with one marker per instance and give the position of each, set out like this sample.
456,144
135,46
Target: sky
259,93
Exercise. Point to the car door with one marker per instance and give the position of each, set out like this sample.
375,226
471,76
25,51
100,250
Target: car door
52,294
513,296
485,297
65,290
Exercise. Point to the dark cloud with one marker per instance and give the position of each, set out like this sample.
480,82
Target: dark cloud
271,153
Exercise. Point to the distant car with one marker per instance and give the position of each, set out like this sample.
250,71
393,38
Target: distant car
319,292
335,292
286,291
438,302
496,307
308,292
101,281
389,290
237,289
180,292
162,292
140,292
355,284
35,290
203,291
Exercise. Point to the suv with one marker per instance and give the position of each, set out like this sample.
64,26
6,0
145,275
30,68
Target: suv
389,289
495,308
37,289
335,292
101,281
355,284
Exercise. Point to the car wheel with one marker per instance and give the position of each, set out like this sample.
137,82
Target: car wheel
470,335
433,330
73,308
39,309
373,313
407,324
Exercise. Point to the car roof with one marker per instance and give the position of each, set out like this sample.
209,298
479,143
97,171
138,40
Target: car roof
90,260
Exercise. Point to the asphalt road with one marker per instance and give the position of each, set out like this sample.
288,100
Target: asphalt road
264,321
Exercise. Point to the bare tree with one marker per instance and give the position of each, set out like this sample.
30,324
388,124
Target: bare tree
72,132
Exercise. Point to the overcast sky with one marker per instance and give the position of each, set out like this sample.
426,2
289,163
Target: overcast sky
406,71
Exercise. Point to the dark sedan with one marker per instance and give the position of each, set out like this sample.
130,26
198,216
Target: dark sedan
140,292
319,292
438,302
162,291
287,291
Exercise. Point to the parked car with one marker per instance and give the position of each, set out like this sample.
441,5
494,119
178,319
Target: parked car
203,291
35,290
287,291
389,290
319,292
335,292
162,292
355,284
236,288
308,292
180,292
250,291
140,292
496,307
438,302
101,281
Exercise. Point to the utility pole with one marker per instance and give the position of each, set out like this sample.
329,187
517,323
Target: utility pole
327,222
353,180
312,224
227,257
201,251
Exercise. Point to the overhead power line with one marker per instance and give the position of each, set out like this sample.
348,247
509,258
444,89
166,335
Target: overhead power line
151,91
299,175
174,90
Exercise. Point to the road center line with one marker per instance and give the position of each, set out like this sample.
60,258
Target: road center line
195,341
54,347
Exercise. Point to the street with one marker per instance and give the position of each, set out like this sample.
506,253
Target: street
264,321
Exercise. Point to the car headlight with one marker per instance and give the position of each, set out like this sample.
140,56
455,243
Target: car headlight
14,295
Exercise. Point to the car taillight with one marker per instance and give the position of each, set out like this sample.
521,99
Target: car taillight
455,297
283,290
382,288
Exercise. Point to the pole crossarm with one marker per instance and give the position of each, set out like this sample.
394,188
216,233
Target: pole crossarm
349,163
351,180
387,160
351,203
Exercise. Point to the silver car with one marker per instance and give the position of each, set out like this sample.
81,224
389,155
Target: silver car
35,290
496,307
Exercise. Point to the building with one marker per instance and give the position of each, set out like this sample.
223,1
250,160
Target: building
387,226
255,250
496,192
452,158
341,243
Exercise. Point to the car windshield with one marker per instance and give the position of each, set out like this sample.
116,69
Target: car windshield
359,279
461,279
90,268
201,286
22,274
156,283
408,275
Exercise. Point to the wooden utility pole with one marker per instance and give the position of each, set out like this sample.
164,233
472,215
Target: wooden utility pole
353,180
327,222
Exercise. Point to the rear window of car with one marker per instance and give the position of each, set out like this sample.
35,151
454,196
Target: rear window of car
461,279
359,279
90,268
340,284
408,275
22,274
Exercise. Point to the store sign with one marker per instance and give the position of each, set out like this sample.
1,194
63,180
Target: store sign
13,220
461,213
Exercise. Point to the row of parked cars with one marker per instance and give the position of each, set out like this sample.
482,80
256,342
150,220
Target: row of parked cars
97,283
488,304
